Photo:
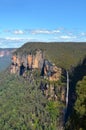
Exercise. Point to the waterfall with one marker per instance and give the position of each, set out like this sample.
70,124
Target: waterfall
67,89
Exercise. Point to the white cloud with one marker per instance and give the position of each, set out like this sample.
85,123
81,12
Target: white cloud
14,31
12,42
32,31
18,32
15,41
41,31
67,37
59,34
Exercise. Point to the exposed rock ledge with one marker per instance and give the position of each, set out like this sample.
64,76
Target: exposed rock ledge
20,64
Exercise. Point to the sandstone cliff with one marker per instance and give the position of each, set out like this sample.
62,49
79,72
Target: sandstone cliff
35,61
49,71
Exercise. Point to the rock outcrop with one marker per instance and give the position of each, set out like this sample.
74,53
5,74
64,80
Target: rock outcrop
31,61
38,60
15,66
49,71
35,61
53,91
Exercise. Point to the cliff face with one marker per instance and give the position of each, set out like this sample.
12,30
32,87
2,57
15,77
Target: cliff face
31,61
53,91
20,64
38,60
15,66
49,71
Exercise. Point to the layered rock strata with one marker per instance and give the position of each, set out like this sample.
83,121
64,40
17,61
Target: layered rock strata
20,64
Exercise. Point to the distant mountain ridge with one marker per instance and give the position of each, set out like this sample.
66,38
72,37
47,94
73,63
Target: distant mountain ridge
4,53
5,57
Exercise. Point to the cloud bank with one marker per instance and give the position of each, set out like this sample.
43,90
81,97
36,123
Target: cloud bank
17,37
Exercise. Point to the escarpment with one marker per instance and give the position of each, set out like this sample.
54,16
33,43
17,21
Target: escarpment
51,74
20,64
36,68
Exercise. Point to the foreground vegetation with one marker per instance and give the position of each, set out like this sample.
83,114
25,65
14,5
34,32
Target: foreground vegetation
24,107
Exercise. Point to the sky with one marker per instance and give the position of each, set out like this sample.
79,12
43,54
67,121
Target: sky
24,21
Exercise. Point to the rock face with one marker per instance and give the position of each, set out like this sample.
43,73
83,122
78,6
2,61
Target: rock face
31,61
38,60
53,91
20,64
51,71
15,66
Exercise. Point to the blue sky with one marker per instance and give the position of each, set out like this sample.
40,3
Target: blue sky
41,20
